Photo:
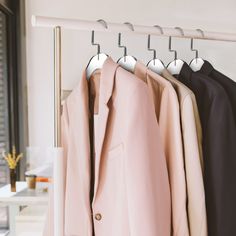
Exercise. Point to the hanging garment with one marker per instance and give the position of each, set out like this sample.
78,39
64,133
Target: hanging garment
168,117
228,84
219,151
131,187
192,141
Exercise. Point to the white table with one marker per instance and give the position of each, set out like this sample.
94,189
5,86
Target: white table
22,197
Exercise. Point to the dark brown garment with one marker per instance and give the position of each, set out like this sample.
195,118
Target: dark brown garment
228,84
219,151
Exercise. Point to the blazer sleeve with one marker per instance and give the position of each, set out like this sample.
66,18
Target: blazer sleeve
194,175
49,224
220,165
171,135
148,190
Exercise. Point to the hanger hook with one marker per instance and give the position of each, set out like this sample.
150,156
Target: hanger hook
172,50
122,46
195,50
119,39
151,49
95,44
104,24
180,30
201,32
131,27
170,42
160,28
149,41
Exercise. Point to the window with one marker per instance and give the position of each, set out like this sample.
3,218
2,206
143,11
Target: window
4,124
4,127
9,118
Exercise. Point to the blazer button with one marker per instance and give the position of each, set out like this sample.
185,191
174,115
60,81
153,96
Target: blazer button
98,216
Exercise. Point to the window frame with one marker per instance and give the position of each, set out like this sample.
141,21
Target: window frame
11,10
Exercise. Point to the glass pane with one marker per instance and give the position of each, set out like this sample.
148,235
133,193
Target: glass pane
4,120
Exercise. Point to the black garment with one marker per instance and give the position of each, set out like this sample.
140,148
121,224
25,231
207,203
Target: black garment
228,84
219,151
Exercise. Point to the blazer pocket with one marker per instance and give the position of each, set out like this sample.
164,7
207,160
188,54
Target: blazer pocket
115,152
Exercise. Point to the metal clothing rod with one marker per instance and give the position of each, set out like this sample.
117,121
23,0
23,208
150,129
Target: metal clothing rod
84,25
58,177
57,86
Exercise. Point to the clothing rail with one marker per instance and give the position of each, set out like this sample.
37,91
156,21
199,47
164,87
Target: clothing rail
57,24
41,21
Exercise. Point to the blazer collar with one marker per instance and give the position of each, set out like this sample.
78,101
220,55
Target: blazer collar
185,74
207,68
107,79
140,71
166,74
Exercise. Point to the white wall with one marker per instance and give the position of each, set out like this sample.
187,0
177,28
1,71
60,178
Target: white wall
214,15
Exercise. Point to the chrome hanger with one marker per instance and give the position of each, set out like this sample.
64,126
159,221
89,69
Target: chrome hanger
97,61
176,65
197,63
122,46
155,64
127,62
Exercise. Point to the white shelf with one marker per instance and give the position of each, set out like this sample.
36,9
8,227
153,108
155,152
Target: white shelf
23,196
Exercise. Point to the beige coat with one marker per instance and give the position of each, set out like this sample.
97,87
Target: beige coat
168,117
131,189
192,139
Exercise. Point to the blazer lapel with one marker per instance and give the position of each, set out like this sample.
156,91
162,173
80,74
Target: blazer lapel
140,71
106,88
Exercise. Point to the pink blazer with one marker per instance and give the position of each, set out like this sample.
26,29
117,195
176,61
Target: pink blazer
168,117
131,187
